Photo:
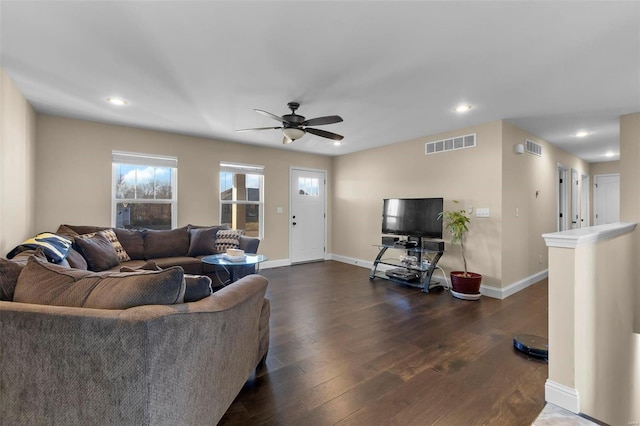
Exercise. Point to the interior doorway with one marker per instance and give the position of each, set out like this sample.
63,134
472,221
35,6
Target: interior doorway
307,225
606,198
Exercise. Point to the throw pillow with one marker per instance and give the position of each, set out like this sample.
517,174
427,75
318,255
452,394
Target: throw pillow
228,238
111,236
197,287
47,284
202,241
9,272
76,260
98,252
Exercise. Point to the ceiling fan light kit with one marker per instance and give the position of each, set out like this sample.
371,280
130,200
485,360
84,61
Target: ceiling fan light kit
294,126
293,133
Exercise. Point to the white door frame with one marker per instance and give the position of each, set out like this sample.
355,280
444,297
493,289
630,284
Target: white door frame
326,219
585,217
561,197
575,199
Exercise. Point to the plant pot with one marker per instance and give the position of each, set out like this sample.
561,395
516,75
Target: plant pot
467,288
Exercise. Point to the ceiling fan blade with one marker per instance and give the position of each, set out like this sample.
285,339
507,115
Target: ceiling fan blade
329,119
258,128
325,134
268,114
286,140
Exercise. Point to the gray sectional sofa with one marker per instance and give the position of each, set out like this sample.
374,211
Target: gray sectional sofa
184,247
123,348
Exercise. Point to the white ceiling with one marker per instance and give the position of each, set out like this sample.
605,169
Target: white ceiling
392,70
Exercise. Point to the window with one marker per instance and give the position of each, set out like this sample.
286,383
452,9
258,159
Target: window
144,191
309,186
242,198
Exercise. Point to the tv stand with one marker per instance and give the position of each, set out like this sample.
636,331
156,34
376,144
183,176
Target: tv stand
427,253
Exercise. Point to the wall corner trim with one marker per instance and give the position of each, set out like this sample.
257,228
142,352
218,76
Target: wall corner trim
589,235
562,396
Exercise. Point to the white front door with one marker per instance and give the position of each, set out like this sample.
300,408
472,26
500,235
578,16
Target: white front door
307,215
606,199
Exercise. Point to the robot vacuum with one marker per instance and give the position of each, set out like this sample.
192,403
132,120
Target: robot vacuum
535,346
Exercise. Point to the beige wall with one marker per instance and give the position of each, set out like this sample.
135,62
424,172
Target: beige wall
608,167
630,189
17,166
505,248
74,175
529,202
473,176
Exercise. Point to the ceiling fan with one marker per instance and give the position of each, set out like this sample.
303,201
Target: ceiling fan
294,126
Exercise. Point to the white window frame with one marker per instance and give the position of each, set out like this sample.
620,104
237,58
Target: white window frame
246,169
152,160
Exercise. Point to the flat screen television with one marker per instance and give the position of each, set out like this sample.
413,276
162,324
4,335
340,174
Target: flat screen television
413,217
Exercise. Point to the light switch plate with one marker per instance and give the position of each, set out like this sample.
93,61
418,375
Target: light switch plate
482,212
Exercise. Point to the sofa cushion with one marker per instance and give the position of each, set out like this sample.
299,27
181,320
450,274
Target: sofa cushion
73,231
48,284
228,239
166,243
9,272
202,240
147,266
191,265
196,286
98,252
132,241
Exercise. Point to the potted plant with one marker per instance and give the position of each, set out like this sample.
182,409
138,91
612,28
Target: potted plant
464,284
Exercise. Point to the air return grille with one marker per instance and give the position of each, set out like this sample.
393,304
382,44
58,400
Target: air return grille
459,142
533,148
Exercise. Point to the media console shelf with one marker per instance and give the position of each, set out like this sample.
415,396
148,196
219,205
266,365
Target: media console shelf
417,274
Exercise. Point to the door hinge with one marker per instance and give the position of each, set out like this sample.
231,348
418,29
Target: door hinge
560,180
560,214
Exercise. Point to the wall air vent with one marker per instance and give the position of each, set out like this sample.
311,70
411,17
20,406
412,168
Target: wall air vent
533,148
459,142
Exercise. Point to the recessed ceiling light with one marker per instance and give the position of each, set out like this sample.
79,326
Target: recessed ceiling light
582,134
337,143
462,108
116,101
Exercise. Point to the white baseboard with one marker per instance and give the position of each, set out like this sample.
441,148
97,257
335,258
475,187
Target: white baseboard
275,263
351,261
504,292
485,290
562,396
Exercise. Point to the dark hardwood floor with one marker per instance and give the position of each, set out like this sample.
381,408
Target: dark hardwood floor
350,351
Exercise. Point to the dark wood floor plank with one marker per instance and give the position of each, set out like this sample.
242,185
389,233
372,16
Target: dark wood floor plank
347,350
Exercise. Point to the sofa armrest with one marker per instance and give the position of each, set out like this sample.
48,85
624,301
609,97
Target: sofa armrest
249,244
147,365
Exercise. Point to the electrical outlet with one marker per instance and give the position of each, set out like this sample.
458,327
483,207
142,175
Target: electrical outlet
540,259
